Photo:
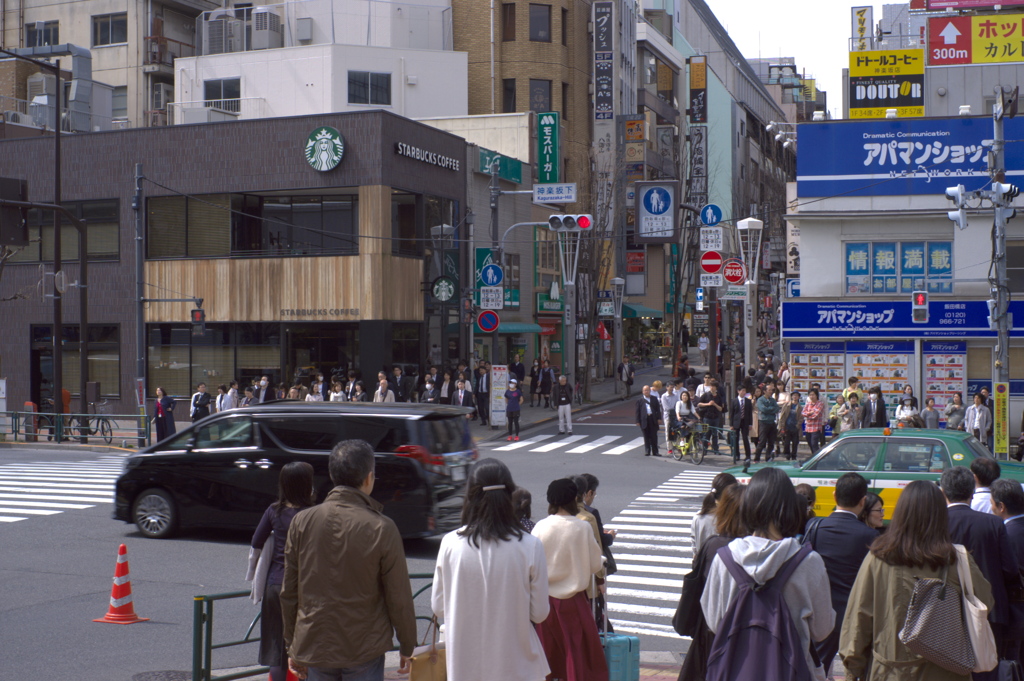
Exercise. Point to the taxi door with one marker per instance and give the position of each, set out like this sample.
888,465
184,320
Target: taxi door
851,454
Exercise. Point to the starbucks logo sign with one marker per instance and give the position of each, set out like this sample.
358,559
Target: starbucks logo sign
324,149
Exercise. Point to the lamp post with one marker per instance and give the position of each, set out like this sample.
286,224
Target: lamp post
750,232
618,289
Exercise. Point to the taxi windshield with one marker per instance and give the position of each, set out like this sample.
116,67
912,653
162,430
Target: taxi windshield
978,449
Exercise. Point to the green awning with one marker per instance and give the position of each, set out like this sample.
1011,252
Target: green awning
503,327
634,310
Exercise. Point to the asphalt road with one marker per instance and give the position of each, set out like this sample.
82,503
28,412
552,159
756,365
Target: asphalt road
56,563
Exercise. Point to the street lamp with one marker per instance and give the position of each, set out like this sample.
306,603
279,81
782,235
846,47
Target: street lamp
750,232
618,289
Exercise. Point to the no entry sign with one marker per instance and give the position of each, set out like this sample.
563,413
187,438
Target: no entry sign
734,272
711,262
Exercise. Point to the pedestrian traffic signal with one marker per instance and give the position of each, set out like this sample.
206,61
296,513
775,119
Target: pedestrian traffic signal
919,303
570,223
198,322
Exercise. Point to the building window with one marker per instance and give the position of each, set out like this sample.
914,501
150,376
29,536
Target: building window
1015,265
110,29
890,267
540,23
508,21
405,228
565,27
224,94
104,357
224,225
101,219
540,95
119,105
508,95
565,101
369,88
41,33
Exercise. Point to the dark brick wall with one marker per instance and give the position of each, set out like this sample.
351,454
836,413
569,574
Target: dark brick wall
242,156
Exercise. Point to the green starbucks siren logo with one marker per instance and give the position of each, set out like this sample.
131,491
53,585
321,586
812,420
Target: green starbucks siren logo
324,149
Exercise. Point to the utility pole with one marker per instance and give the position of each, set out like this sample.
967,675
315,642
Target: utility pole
1000,201
495,257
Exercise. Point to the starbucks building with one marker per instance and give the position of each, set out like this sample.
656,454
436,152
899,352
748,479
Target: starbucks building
307,240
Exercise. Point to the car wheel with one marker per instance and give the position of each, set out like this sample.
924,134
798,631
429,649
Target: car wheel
155,514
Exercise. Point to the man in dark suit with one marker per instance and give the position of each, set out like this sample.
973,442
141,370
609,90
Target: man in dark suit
648,414
1008,504
741,417
400,385
517,370
265,391
985,536
874,415
464,398
482,393
842,541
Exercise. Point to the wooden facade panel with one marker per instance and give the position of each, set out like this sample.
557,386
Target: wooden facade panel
339,288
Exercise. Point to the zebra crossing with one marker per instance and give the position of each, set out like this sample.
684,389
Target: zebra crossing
45,488
575,444
652,552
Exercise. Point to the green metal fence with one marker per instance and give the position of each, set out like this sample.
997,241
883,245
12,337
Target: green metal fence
103,429
202,633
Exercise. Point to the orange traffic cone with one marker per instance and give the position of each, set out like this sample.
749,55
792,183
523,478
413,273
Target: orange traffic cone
121,610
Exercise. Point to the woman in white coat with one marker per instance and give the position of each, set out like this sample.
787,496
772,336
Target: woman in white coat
978,418
491,585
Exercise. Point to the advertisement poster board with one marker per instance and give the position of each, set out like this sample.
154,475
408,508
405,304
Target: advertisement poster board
945,374
821,363
499,384
883,364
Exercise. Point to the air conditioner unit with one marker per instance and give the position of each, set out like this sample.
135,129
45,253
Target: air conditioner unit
17,117
267,32
222,32
41,84
163,93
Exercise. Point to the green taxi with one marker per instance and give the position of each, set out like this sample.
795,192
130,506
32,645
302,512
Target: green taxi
889,459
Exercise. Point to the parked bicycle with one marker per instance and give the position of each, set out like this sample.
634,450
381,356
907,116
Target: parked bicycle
96,423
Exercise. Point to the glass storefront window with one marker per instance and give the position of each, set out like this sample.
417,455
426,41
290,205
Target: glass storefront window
404,224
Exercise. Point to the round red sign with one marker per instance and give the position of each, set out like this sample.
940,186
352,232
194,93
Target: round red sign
488,321
711,262
734,272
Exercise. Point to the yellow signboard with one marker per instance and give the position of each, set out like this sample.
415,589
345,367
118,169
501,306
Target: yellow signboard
997,38
886,63
1001,419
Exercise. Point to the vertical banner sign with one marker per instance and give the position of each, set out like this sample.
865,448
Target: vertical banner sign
604,61
863,19
547,147
698,89
698,190
499,384
1001,419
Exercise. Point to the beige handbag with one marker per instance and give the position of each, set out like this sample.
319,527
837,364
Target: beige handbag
428,662
976,616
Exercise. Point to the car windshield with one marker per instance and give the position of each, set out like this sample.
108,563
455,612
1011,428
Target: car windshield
445,436
977,448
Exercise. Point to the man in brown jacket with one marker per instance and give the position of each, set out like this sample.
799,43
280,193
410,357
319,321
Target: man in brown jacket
346,585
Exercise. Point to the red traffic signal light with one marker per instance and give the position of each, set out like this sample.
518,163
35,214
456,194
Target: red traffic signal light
198,316
583,222
920,298
919,305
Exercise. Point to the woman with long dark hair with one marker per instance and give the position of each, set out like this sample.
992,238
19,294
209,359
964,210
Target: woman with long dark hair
491,585
266,572
704,522
916,546
163,414
569,634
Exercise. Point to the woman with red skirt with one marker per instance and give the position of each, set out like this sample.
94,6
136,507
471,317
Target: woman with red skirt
569,634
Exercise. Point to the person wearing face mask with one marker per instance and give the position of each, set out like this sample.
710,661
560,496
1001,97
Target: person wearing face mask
265,392
874,415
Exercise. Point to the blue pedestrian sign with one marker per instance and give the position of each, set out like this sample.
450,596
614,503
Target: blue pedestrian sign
792,288
492,275
700,294
711,214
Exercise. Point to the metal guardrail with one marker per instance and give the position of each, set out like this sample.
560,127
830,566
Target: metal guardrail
202,633
33,426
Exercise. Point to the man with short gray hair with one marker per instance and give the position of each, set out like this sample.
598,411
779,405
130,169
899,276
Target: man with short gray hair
346,589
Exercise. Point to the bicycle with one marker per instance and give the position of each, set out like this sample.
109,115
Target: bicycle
83,424
694,444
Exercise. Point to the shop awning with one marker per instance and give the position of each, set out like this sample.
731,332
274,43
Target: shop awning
503,327
634,310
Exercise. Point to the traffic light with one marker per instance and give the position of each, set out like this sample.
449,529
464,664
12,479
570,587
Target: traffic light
570,223
13,220
198,322
1007,192
919,303
958,195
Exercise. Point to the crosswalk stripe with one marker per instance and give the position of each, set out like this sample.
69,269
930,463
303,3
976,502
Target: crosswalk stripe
29,511
644,628
606,440
622,449
618,526
525,443
45,497
55,486
645,581
640,593
633,609
42,504
680,514
551,446
45,488
652,559
10,519
654,521
655,569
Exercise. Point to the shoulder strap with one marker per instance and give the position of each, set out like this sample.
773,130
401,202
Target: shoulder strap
790,566
811,529
737,572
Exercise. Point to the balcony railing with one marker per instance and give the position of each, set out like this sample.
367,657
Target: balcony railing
36,115
164,51
214,110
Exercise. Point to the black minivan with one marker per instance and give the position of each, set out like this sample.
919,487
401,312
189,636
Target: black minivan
223,471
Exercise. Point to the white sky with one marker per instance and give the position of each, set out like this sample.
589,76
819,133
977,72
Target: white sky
815,32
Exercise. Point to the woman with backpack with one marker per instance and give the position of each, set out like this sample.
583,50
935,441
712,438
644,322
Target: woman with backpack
916,545
767,576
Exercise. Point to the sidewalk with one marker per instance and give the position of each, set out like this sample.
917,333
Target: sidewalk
654,666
